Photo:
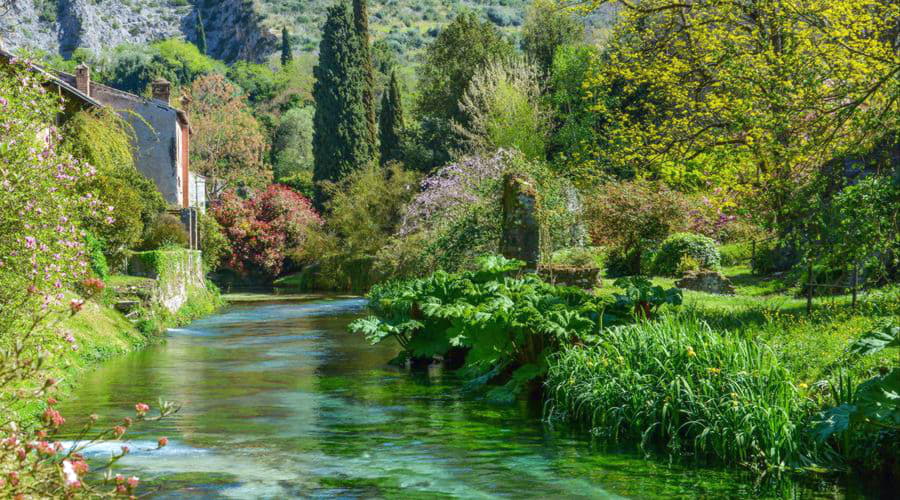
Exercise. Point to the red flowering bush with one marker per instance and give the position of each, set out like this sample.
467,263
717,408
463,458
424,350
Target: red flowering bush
263,228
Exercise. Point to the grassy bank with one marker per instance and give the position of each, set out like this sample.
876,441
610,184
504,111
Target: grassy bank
736,380
101,332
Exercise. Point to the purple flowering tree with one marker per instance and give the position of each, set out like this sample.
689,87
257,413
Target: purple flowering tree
447,193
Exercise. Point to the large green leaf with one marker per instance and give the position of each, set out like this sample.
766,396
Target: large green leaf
832,421
879,399
876,340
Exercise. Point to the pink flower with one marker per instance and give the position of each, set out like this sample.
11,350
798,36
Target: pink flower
163,441
53,418
30,242
141,408
76,305
119,431
133,482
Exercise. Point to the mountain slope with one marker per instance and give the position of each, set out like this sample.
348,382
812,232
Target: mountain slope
235,29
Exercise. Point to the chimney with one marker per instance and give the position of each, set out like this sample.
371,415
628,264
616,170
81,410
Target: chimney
83,79
161,88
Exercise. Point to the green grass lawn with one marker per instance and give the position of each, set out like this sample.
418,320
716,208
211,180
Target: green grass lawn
813,347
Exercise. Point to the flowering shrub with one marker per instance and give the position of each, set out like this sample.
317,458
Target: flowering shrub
448,191
41,248
263,228
42,257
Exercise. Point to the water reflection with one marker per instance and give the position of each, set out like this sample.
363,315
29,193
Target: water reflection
280,402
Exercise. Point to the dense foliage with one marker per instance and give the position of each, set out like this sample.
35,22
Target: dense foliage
342,138
263,228
680,385
43,258
680,246
504,327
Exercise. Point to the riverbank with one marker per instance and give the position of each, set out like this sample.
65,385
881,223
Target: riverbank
313,411
129,314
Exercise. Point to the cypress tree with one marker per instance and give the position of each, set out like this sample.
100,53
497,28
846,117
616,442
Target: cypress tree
341,138
390,122
287,52
361,24
201,34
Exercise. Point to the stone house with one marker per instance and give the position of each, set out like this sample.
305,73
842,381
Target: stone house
161,132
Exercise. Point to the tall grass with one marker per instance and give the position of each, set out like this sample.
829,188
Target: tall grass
678,384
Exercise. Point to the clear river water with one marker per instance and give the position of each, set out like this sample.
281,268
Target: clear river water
280,401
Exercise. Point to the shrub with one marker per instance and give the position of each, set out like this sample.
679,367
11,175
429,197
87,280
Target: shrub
364,211
772,257
734,254
686,388
166,230
632,217
94,249
680,245
212,241
581,257
262,229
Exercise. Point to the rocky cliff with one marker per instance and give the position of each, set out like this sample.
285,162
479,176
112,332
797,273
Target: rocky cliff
234,30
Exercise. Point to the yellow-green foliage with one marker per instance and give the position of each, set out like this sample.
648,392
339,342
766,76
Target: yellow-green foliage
103,139
764,94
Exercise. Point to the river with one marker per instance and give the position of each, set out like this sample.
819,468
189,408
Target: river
280,401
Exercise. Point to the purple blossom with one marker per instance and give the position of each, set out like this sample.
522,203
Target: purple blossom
455,185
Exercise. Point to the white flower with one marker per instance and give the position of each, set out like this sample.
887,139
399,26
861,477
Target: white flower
69,472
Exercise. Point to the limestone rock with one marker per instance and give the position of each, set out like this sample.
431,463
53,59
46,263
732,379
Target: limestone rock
706,281
234,29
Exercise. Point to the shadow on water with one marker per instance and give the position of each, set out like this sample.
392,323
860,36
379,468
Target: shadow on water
280,401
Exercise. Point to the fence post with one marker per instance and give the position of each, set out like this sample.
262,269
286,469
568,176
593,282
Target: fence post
809,287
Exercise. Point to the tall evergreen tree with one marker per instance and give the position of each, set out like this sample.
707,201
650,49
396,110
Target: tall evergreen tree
390,122
201,34
287,52
341,138
361,23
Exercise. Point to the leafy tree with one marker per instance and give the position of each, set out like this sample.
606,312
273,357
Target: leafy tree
341,137
292,143
287,52
361,23
258,80
631,218
263,228
547,27
576,127
502,108
201,34
776,88
391,122
228,144
462,49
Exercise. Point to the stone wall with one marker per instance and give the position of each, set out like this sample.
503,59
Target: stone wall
177,273
586,278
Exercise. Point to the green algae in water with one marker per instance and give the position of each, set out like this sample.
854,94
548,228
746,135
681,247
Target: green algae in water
280,401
